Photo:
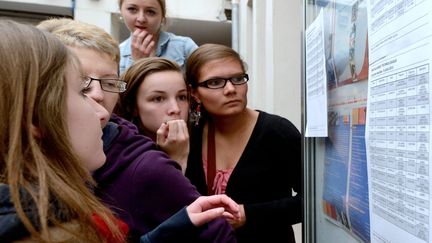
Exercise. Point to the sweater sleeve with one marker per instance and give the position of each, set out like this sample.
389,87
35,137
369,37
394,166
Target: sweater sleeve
288,208
178,225
161,190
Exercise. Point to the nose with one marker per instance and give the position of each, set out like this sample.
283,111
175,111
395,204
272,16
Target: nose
141,16
100,111
174,108
229,87
96,93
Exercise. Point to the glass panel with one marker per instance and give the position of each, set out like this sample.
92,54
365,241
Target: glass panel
338,162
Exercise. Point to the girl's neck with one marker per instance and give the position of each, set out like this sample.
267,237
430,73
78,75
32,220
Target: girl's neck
234,124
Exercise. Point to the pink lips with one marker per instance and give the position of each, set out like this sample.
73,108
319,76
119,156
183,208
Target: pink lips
232,102
140,27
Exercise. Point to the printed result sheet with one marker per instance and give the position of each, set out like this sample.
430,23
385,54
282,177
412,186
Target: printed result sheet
398,127
316,125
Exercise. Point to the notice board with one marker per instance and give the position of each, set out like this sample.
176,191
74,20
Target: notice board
370,178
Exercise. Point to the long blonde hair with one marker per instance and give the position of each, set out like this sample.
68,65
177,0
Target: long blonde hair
32,94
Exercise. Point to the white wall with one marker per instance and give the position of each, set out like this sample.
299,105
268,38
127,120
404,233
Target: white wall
270,42
98,12
61,3
208,10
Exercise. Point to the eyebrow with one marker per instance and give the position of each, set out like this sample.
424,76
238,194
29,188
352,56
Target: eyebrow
164,92
105,76
145,8
156,92
115,76
227,76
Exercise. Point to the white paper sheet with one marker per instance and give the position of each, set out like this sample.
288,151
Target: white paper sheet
398,120
316,80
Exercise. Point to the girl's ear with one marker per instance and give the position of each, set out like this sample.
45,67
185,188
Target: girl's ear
35,132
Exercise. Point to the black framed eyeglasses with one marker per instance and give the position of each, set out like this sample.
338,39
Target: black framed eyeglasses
218,83
112,85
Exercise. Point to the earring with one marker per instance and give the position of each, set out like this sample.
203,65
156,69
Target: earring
195,115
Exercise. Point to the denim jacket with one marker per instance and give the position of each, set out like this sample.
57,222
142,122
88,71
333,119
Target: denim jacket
171,46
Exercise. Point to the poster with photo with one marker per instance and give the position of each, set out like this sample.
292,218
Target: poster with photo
346,43
345,189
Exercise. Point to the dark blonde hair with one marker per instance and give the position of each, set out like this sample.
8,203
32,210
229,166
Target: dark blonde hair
53,24
134,76
32,94
162,4
205,54
82,35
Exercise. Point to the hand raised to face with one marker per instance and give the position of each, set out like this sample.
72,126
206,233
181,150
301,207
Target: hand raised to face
173,138
142,44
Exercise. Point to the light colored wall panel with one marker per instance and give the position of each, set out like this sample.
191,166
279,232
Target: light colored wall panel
209,10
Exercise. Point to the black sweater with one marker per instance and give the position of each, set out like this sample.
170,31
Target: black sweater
268,169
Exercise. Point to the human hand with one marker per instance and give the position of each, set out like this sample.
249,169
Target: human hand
173,138
142,44
240,221
206,208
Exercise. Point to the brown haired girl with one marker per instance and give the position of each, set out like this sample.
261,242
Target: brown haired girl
250,155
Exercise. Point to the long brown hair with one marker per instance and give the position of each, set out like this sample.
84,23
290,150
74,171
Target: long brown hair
134,76
32,94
